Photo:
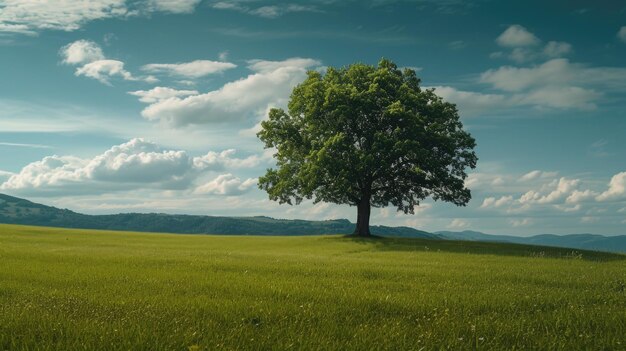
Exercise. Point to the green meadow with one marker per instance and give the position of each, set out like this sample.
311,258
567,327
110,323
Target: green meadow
64,289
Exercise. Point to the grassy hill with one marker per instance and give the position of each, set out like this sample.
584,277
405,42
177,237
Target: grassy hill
84,289
577,241
14,210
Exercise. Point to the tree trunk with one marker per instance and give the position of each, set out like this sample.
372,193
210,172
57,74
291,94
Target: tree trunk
363,218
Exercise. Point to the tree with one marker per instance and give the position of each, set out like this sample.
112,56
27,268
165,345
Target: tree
367,136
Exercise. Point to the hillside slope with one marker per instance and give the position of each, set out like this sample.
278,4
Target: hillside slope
14,210
66,289
575,241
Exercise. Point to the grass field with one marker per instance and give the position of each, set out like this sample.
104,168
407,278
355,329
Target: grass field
87,290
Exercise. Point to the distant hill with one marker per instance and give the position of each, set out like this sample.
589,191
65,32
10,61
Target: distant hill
575,241
14,210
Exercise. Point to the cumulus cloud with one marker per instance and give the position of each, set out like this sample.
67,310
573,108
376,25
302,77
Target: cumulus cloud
193,69
523,46
103,70
225,160
536,174
32,16
81,52
227,184
557,49
561,98
562,188
616,190
93,64
458,223
557,83
553,73
4,175
133,165
471,103
494,202
160,93
517,36
578,196
270,84
264,66
539,191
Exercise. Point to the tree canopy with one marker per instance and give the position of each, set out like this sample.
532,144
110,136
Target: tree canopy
365,136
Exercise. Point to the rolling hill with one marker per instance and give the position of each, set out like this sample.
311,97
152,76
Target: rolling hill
15,210
575,241
76,289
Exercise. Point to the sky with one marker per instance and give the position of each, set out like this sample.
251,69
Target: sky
111,106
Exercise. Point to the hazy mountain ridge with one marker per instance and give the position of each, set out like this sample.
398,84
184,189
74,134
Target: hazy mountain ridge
574,241
15,210
19,211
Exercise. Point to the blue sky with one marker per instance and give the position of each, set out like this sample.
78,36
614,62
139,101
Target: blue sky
112,106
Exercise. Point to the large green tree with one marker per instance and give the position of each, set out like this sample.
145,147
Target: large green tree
367,136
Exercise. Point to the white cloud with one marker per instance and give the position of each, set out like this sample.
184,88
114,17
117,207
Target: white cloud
517,36
103,70
94,64
193,69
32,16
81,52
521,55
224,159
539,192
537,174
268,11
553,49
264,66
160,93
458,223
557,49
557,83
137,164
521,222
472,103
578,196
172,6
553,73
30,146
616,190
4,175
494,202
16,28
562,188
227,184
275,11
271,84
508,78
621,34
524,46
561,98
568,209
